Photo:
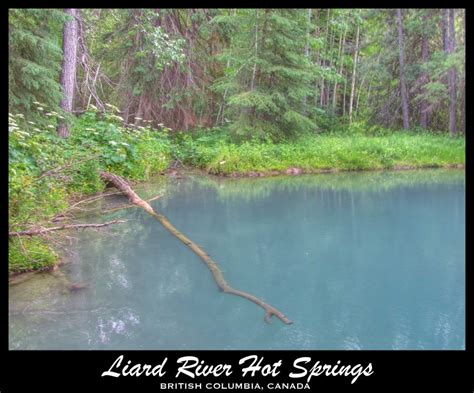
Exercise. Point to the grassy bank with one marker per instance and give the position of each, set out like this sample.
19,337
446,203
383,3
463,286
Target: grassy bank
47,173
327,152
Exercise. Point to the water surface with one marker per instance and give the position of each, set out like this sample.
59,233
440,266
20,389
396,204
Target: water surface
356,260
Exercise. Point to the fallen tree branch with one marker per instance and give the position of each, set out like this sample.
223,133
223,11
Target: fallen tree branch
123,186
128,206
42,230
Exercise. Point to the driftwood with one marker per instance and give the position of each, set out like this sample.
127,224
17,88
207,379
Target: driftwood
128,206
123,186
42,230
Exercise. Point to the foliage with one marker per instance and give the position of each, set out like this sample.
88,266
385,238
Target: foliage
267,74
99,142
34,58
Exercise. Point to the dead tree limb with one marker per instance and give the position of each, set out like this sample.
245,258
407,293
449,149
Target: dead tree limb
42,230
128,206
123,186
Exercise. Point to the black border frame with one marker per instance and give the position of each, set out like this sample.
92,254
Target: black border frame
442,370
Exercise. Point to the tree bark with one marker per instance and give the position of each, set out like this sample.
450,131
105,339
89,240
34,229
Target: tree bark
123,186
444,30
424,76
307,52
252,84
452,76
463,86
68,73
323,62
344,95
403,89
356,53
342,42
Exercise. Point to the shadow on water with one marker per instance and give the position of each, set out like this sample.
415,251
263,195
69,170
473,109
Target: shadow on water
356,260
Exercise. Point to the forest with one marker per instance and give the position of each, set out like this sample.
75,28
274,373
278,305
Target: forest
232,92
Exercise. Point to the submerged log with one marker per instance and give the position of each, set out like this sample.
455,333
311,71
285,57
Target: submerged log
42,231
123,186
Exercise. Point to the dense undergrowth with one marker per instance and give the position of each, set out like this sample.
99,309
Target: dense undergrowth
47,172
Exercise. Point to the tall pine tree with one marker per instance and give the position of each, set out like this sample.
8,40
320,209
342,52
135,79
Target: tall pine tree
268,74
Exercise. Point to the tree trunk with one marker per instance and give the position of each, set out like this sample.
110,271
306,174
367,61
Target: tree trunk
317,59
444,30
139,114
424,76
323,62
356,53
328,90
252,84
344,95
68,73
452,76
356,110
403,89
307,52
342,41
463,107
463,86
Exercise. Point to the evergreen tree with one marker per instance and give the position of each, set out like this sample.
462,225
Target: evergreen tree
268,75
34,58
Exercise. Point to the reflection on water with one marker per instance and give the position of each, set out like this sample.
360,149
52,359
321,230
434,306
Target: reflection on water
356,260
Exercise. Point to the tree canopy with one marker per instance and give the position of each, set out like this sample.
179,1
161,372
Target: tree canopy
267,73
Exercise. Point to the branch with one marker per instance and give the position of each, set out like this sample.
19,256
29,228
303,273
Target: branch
41,230
127,206
123,186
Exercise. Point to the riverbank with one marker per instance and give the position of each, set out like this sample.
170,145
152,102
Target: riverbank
325,153
47,174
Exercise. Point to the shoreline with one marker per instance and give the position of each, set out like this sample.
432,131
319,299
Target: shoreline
19,277
295,171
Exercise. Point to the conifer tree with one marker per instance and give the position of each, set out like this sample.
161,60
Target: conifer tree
269,74
34,59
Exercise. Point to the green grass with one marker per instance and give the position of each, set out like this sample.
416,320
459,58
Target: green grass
137,154
328,152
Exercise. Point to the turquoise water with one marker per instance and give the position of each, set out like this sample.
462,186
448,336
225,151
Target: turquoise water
357,261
